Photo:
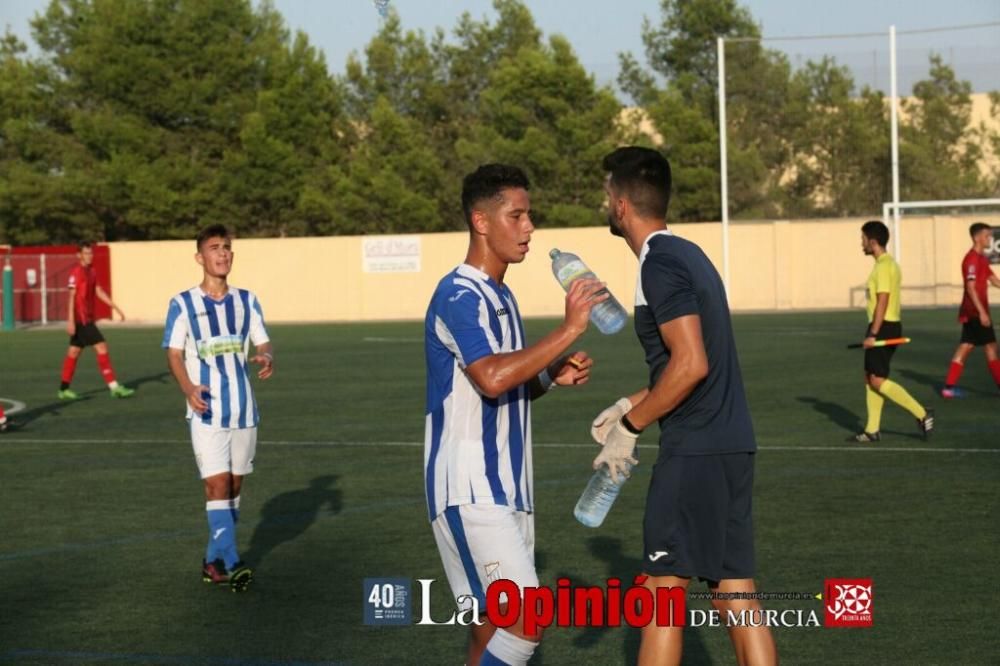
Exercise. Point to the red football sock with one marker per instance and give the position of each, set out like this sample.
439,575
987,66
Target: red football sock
69,367
995,370
104,363
1,413
954,372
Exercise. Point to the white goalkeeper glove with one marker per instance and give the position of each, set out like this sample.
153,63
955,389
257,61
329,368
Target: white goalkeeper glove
617,454
606,420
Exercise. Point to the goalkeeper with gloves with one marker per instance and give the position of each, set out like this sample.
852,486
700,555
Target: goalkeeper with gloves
698,509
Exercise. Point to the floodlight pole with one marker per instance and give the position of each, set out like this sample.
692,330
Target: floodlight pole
723,166
894,121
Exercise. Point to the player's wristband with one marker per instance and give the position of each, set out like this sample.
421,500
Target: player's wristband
545,379
270,359
628,426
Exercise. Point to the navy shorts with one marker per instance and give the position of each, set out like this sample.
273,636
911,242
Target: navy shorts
87,335
699,519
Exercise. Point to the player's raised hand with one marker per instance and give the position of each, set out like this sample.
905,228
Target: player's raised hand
601,426
572,369
582,296
195,398
266,361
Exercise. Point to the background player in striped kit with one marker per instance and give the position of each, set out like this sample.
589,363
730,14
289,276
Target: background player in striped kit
82,328
208,334
481,378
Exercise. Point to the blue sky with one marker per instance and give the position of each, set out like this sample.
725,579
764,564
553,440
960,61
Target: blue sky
599,33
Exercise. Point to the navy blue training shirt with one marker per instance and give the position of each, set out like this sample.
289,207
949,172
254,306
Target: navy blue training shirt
677,279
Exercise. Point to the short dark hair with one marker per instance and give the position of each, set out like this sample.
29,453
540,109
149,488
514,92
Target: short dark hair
212,231
487,182
876,231
84,245
977,227
642,175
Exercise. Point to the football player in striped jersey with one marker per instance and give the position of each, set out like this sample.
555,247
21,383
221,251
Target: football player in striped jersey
208,335
481,378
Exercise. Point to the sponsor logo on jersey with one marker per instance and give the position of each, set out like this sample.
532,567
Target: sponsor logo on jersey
220,344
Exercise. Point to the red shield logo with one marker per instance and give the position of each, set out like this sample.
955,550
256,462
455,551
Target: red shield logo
848,602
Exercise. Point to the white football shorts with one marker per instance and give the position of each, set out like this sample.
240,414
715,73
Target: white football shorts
482,543
220,450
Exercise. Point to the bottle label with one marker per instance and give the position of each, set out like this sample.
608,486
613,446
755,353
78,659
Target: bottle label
572,271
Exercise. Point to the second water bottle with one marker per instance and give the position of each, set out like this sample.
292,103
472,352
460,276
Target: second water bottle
597,498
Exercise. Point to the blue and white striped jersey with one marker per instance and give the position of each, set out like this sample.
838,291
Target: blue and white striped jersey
216,336
477,450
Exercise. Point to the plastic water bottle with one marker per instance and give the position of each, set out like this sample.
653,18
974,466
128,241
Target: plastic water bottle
609,316
597,498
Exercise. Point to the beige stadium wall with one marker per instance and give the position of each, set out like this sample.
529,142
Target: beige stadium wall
774,265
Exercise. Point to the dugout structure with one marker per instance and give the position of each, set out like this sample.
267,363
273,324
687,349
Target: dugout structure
40,277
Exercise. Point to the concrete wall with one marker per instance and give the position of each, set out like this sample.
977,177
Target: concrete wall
774,265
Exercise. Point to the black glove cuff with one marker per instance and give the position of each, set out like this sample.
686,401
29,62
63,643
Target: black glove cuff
628,426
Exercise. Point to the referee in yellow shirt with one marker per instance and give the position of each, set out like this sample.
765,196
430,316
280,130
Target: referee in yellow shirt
884,323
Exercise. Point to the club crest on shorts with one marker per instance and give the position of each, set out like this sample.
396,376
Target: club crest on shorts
492,571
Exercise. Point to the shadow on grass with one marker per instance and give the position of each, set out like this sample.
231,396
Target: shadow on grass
935,383
839,414
55,408
287,516
159,378
620,565
22,419
847,419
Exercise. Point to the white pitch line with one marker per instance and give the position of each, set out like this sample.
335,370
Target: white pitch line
894,449
542,445
379,339
15,405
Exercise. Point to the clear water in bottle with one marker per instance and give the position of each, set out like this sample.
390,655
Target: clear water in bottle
609,316
597,498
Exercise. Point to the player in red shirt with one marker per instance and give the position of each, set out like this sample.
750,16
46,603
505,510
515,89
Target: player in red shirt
82,329
977,327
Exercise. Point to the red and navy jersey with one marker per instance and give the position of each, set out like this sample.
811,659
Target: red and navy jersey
975,269
83,283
